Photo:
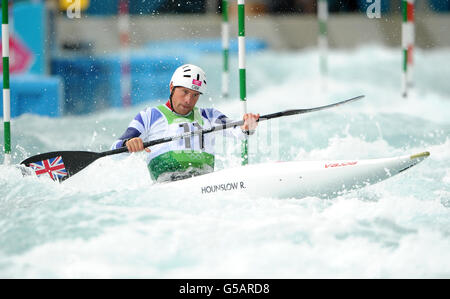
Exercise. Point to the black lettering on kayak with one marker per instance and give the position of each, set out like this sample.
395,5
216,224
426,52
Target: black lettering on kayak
223,187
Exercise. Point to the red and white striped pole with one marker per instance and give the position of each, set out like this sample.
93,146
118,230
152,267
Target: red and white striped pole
125,65
407,44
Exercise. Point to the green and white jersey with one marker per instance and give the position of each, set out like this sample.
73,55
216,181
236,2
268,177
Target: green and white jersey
179,158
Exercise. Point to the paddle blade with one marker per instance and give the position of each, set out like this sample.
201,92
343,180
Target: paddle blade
60,165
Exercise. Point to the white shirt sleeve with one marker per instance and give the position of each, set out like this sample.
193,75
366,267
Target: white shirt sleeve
218,118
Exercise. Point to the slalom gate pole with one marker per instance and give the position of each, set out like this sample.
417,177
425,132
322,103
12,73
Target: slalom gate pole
225,48
6,91
407,44
125,64
322,14
242,73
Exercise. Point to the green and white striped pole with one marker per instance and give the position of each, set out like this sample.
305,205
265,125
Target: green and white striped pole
225,46
322,14
6,92
407,44
242,75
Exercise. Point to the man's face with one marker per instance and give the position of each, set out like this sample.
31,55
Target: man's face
184,99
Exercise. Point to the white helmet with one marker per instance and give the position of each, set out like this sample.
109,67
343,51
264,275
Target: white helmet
189,76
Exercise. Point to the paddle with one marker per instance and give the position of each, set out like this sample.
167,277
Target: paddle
62,165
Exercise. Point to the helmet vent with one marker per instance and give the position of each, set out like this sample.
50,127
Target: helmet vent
187,76
187,70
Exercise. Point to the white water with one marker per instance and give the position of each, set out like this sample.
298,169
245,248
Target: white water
106,222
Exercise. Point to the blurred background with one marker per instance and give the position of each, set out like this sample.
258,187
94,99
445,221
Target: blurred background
70,57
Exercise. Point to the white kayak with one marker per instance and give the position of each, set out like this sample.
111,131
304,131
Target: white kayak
296,179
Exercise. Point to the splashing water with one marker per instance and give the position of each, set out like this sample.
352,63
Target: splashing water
107,222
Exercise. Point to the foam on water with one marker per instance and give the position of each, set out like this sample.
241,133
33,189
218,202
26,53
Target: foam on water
107,221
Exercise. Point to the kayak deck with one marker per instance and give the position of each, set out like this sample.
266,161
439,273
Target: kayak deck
297,178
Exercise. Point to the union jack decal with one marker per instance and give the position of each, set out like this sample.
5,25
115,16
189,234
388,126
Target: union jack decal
54,167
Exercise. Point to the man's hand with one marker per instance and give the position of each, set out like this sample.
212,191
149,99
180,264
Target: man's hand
250,122
136,145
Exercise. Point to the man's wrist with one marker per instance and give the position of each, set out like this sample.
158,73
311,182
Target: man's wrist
248,132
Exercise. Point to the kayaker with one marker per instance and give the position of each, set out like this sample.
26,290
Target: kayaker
187,157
